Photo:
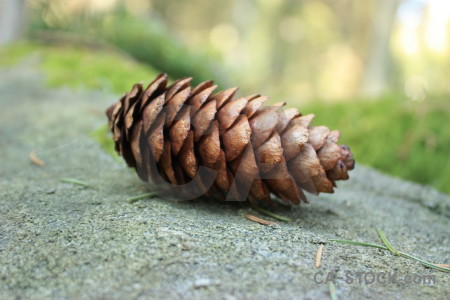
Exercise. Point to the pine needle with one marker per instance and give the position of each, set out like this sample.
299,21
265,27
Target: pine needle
75,181
426,263
386,242
136,198
270,214
359,244
439,267
319,256
259,220
332,289
35,159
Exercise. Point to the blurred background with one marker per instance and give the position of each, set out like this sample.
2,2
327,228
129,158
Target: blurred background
377,70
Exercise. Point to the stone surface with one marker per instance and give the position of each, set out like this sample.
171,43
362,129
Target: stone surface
59,240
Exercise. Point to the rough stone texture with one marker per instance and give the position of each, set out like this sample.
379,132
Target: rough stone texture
58,240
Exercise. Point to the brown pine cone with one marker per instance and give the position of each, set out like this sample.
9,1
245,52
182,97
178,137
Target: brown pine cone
194,143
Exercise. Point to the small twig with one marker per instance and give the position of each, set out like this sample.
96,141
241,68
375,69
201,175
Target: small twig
332,289
442,265
270,214
319,256
259,220
35,159
136,198
75,181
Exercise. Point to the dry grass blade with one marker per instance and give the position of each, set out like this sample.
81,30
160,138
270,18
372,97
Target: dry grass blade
35,159
259,220
442,265
319,256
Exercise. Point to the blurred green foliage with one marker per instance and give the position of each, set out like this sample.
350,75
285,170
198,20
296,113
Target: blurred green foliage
398,136
395,135
147,41
81,67
103,137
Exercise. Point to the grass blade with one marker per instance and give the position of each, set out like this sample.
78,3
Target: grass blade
136,198
389,247
425,263
359,244
74,181
386,242
270,214
332,289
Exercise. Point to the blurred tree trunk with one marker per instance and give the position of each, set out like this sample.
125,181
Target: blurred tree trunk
11,18
376,75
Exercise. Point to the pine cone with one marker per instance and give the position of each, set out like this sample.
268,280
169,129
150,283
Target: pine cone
194,143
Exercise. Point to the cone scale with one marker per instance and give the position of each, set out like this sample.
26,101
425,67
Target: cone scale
193,142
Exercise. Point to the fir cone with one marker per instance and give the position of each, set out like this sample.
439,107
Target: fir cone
193,142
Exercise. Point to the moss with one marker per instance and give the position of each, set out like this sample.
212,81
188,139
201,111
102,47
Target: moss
81,67
148,41
103,137
14,53
395,135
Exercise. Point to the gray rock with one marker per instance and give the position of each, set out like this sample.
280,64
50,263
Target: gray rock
63,241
